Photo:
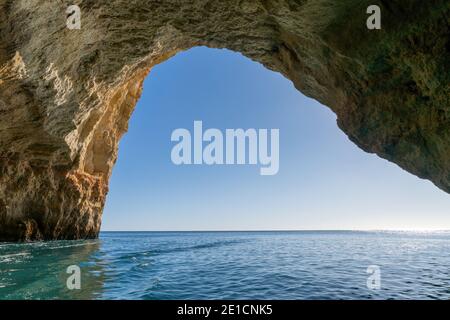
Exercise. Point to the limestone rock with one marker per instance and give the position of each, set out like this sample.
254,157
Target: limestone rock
66,95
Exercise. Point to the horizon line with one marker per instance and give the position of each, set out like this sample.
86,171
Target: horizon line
285,230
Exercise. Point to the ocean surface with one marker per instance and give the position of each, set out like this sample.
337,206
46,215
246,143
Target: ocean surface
231,265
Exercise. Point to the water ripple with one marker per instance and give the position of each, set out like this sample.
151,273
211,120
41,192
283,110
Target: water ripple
231,265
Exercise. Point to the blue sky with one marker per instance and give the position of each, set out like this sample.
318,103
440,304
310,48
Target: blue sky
324,181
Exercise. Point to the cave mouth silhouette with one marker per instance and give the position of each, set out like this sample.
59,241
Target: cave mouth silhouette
159,109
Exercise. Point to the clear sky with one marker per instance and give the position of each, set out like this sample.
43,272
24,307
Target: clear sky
324,181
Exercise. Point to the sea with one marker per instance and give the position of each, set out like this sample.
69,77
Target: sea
275,265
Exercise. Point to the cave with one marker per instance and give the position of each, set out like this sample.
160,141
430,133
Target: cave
66,94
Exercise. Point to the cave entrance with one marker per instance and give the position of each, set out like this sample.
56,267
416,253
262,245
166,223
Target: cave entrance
324,180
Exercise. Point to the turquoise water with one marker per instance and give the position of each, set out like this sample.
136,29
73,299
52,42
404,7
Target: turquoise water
231,265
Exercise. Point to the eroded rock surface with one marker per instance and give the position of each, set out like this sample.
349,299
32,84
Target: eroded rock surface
66,95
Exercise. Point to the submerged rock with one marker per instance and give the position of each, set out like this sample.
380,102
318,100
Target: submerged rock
66,94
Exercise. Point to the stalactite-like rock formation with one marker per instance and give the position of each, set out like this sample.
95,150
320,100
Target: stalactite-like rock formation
66,95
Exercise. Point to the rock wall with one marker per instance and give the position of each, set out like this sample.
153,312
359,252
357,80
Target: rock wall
66,95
